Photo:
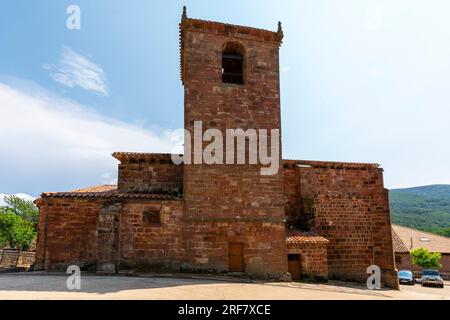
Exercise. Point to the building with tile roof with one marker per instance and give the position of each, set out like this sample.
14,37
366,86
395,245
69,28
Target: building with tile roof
406,239
313,219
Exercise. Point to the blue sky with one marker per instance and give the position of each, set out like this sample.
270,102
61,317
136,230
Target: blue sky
362,81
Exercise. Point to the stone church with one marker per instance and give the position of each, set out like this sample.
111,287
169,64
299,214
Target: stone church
314,219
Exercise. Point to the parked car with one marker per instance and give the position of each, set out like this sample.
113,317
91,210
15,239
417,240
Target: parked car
406,277
431,278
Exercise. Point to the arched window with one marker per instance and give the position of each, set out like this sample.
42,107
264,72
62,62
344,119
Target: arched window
233,63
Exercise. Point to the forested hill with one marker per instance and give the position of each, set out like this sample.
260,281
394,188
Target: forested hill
425,208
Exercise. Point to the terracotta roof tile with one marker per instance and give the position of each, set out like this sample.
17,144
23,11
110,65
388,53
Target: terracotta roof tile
107,191
397,243
413,239
295,237
165,158
331,164
100,188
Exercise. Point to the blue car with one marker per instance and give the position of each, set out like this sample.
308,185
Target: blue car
406,277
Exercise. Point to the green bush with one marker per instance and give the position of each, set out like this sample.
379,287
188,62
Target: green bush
18,223
423,258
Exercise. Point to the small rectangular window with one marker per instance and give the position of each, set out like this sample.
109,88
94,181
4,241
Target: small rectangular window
151,217
232,68
293,257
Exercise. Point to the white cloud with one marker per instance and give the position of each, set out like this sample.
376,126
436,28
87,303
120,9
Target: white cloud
73,70
107,178
374,18
23,196
286,69
374,71
50,143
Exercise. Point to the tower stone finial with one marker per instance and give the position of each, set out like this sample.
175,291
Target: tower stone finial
184,14
280,33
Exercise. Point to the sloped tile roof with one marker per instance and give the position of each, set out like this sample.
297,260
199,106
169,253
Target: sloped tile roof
406,239
94,191
161,158
107,191
100,188
295,237
330,164
397,243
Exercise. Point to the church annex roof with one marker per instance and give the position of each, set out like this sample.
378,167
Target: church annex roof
106,191
96,189
330,164
296,237
162,158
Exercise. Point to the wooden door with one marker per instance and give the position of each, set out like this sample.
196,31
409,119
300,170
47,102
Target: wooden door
235,257
294,266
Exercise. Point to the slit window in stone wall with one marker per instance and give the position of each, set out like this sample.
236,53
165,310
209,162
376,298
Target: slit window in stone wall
233,64
151,217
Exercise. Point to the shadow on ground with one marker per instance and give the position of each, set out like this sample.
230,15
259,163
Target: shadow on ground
90,283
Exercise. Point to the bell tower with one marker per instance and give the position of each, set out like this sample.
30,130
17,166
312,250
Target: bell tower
233,213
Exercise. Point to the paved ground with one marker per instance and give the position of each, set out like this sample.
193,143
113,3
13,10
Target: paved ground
53,286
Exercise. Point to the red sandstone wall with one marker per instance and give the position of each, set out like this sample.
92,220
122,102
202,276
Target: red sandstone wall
292,196
75,234
70,234
151,245
350,208
143,176
219,105
346,222
313,260
207,244
231,191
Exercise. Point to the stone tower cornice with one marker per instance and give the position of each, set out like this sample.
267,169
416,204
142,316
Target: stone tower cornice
225,30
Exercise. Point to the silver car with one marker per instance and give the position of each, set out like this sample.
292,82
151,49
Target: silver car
431,278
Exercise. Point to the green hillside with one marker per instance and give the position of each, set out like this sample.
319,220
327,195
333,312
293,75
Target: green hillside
425,208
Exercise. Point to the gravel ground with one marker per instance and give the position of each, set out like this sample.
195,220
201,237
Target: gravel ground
34,285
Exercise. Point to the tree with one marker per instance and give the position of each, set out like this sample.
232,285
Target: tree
18,223
25,209
424,258
444,232
15,231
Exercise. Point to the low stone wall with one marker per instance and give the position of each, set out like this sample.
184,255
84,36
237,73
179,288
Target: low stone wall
26,259
13,258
